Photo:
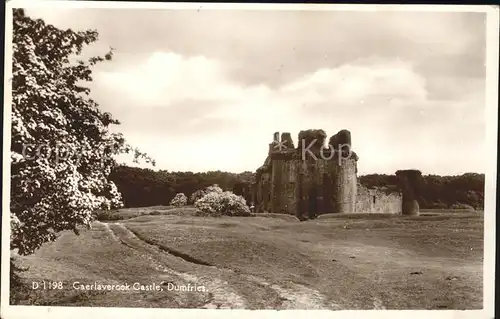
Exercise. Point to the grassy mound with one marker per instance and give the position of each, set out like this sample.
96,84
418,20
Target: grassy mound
286,217
127,213
353,260
357,216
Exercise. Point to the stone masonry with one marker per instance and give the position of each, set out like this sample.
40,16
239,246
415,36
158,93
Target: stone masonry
313,178
410,182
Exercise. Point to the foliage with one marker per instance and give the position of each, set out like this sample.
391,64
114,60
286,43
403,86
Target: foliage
196,195
143,187
179,200
62,150
214,189
216,203
202,192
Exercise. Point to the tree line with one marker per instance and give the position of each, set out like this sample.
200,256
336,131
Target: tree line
142,187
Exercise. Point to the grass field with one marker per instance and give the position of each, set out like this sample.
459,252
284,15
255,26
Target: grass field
335,262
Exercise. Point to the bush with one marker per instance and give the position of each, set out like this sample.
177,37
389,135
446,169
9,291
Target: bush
222,204
214,188
179,200
196,195
202,192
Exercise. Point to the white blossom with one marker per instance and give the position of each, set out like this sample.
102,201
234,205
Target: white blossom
217,203
179,200
51,192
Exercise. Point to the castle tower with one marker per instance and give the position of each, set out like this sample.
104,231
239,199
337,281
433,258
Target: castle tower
309,178
283,176
409,181
344,170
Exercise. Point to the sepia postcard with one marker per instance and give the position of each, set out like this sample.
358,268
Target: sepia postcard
251,160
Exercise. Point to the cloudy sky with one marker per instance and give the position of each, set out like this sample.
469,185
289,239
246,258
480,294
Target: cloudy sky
205,90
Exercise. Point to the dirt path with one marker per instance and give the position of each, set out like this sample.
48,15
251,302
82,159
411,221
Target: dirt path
223,295
108,230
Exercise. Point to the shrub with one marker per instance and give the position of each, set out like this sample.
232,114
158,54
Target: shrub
179,200
223,203
196,195
202,192
214,188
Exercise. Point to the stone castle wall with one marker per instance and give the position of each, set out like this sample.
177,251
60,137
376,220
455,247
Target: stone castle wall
300,183
378,201
322,180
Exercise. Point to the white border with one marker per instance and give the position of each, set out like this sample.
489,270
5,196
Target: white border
492,54
246,6
490,191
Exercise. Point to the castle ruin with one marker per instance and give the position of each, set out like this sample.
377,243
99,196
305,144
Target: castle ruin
314,178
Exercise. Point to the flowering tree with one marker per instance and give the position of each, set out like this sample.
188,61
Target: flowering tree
62,150
213,189
202,192
222,203
179,200
196,195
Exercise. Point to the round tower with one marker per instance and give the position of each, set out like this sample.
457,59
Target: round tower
342,170
347,185
409,181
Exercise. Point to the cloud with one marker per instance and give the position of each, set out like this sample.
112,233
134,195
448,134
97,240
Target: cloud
198,88
187,90
191,106
180,78
206,90
358,83
288,44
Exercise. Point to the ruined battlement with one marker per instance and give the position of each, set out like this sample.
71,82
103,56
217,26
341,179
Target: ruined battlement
307,178
317,176
312,142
